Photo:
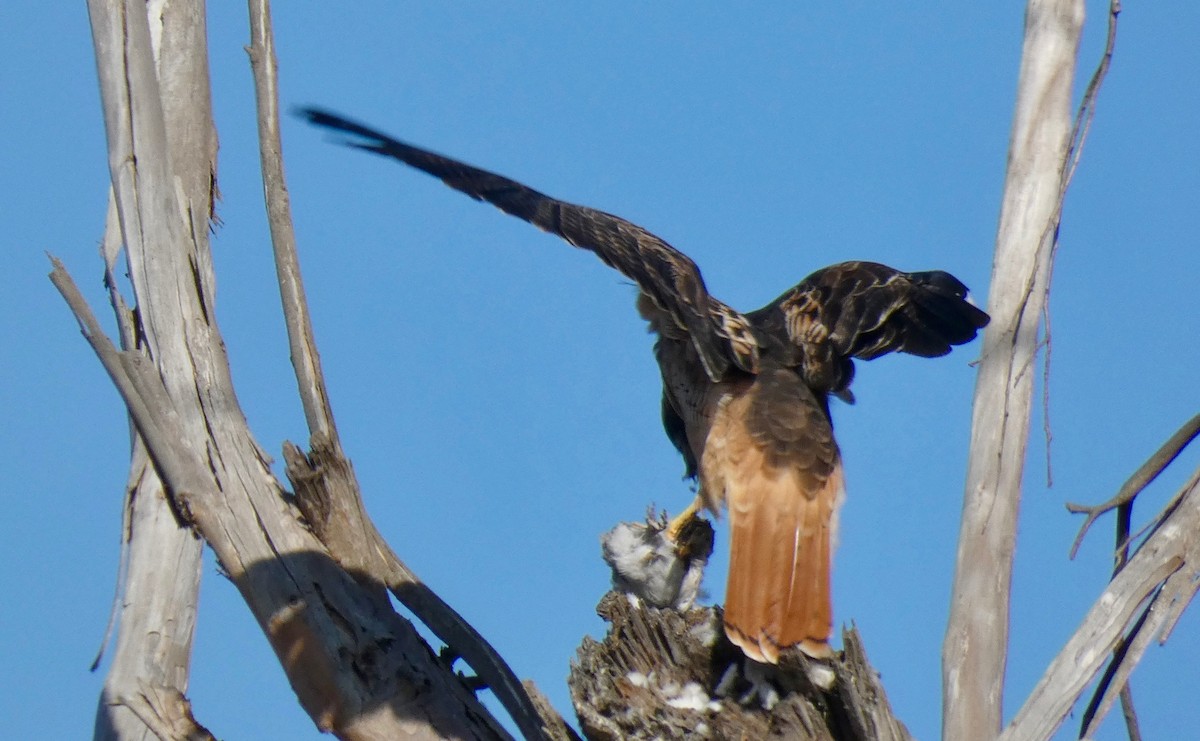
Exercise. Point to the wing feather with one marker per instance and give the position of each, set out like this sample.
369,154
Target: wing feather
864,310
722,337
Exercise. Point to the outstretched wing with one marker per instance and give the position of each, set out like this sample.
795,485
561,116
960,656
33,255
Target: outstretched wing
864,310
722,337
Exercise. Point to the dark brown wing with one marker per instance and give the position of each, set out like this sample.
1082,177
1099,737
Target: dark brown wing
864,310
721,336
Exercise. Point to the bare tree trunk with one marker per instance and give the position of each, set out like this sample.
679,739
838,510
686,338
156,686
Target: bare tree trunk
975,648
144,688
158,587
359,670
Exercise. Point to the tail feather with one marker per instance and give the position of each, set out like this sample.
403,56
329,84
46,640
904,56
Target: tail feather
781,542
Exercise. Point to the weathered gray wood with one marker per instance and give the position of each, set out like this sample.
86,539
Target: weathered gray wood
556,728
975,648
357,668
155,613
669,673
1169,559
306,361
327,491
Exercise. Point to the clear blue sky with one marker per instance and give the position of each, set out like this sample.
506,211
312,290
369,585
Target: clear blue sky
495,388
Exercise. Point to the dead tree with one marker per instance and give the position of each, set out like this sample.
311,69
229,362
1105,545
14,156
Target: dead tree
309,563
316,574
1149,590
311,567
973,656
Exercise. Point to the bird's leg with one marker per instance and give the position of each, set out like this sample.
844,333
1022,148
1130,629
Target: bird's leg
680,521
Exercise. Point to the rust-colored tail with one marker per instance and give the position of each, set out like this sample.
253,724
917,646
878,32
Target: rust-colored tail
782,531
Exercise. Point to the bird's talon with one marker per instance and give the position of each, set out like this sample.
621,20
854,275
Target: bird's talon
692,536
677,529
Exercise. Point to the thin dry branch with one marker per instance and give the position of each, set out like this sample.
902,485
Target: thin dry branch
1087,105
306,361
1124,524
327,492
139,385
1159,617
1130,714
1141,478
1140,605
110,250
326,488
1109,676
1084,116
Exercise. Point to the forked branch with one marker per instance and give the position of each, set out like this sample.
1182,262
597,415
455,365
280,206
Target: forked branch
1138,481
326,488
1141,604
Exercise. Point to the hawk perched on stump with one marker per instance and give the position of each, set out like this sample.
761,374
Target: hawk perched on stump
745,396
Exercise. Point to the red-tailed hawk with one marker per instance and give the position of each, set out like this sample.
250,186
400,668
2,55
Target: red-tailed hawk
745,396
